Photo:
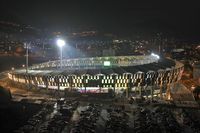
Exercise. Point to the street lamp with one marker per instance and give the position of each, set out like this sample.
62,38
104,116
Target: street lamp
60,44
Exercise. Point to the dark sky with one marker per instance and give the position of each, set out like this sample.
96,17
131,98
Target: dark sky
176,16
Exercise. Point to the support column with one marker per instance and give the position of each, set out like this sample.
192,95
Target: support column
58,83
168,95
35,82
46,82
71,82
161,96
100,78
114,78
140,91
84,78
129,84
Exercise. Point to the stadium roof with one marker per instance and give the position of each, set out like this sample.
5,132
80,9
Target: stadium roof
162,64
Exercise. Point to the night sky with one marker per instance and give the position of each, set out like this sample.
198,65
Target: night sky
175,16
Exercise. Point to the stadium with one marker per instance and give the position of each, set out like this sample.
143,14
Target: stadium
147,75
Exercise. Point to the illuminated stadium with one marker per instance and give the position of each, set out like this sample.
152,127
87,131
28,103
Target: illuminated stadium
147,75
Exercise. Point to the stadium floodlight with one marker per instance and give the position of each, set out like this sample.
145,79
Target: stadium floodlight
155,55
60,44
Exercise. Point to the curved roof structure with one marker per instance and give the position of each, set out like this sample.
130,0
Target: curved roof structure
155,66
98,62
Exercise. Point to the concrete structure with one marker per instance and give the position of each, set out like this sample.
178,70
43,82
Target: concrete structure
135,75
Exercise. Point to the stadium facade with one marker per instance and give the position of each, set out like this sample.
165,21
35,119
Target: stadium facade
133,75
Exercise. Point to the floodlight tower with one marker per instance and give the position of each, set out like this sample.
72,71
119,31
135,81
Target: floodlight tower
60,44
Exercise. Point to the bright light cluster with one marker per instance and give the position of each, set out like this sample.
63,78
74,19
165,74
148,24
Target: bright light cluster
60,43
106,63
155,55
